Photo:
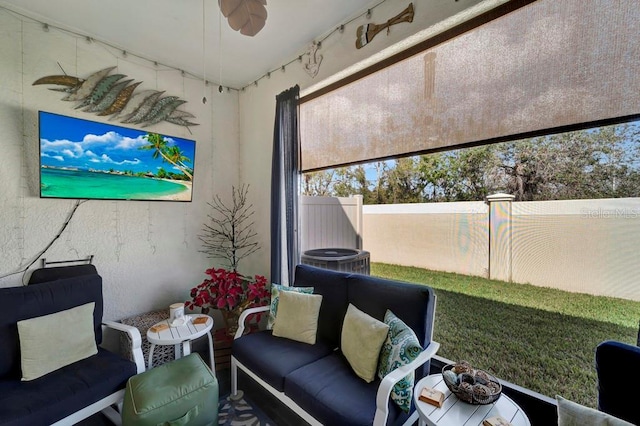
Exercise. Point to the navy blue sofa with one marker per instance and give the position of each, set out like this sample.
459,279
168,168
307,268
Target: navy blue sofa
316,381
618,374
74,392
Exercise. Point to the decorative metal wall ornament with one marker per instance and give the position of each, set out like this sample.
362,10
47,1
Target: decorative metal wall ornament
105,94
314,59
366,33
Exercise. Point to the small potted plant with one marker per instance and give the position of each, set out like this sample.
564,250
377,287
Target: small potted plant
231,293
229,236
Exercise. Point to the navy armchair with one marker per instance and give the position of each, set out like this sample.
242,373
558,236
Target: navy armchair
618,377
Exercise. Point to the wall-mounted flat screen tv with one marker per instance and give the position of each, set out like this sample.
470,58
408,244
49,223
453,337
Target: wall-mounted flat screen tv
88,160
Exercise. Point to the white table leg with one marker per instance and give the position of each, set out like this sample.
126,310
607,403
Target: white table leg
151,348
186,347
212,358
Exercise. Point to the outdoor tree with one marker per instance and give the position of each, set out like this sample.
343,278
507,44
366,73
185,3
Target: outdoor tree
229,235
594,163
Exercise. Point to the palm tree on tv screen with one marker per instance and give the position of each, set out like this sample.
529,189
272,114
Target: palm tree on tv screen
177,157
170,154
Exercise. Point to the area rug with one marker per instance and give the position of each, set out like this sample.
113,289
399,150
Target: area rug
241,412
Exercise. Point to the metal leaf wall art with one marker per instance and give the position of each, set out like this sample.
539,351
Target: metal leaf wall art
107,94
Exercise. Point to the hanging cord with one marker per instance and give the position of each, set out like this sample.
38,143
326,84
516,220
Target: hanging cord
220,89
43,251
204,57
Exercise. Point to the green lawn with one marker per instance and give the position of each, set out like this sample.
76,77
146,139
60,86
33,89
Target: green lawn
540,338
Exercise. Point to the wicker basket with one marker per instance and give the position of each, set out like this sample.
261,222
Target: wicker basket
472,386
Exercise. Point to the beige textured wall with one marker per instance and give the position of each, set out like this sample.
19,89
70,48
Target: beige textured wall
147,252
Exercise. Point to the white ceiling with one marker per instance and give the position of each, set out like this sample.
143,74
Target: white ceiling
170,31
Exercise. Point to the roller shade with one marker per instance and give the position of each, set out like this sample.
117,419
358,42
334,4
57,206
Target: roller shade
547,65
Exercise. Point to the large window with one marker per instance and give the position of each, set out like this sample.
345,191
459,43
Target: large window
542,104
566,276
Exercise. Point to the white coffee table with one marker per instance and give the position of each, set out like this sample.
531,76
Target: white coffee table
455,412
181,336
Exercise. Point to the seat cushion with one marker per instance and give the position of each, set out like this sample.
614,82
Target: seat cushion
58,394
284,355
329,390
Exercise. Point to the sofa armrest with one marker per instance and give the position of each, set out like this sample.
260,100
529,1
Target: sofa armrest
243,317
389,381
136,342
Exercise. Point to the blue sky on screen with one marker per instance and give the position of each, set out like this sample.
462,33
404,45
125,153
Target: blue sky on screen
78,143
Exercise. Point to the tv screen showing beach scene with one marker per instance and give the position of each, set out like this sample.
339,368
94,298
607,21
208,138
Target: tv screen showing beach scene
84,159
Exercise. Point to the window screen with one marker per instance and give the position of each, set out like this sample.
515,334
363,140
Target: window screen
547,65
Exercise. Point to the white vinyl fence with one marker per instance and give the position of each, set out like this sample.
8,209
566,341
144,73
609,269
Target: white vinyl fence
330,222
586,246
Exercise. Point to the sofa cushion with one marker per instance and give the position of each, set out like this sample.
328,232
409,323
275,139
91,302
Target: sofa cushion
413,304
283,355
362,338
400,348
50,342
275,299
330,392
298,317
60,393
333,288
19,303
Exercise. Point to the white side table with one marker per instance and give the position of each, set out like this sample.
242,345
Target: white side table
455,412
181,336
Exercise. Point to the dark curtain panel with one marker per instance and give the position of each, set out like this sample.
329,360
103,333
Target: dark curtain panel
284,188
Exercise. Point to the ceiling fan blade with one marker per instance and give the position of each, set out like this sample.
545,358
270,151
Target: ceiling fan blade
246,16
228,6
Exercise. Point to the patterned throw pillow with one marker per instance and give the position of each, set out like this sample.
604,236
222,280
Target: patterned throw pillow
401,347
275,297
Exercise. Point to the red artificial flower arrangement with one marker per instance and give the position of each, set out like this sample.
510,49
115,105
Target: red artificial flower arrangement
229,291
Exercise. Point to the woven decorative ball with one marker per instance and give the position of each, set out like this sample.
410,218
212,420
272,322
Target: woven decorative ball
470,385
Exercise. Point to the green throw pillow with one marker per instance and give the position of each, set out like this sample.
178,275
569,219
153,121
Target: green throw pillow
400,348
275,297
298,316
573,414
53,341
361,340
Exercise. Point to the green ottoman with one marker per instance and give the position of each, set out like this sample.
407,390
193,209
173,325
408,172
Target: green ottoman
181,392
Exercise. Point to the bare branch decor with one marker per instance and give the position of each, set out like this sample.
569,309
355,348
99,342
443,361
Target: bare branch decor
230,235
